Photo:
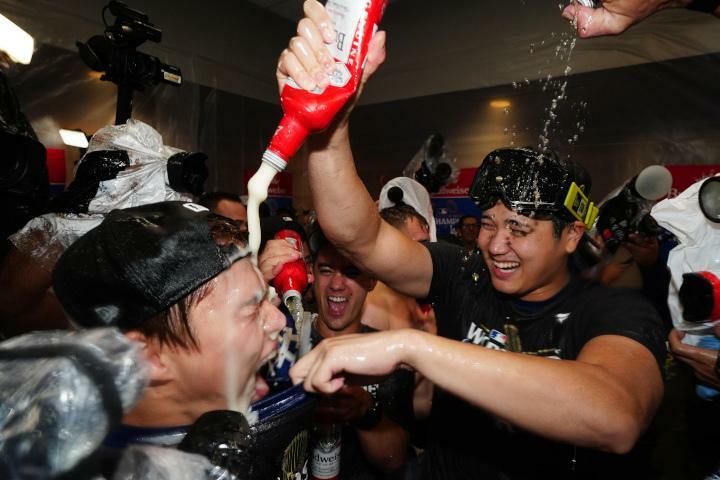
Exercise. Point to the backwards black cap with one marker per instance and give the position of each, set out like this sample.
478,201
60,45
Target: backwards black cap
139,262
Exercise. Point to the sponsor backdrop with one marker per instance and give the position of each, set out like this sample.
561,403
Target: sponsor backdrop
452,202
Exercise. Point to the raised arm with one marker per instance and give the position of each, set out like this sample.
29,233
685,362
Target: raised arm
344,207
613,17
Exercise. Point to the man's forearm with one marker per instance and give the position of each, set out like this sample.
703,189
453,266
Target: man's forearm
584,403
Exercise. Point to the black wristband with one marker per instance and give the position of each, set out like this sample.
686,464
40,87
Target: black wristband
707,6
370,418
717,367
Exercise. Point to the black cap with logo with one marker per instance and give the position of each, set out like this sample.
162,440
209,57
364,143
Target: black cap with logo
139,262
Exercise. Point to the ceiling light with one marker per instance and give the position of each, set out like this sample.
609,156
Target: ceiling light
74,138
500,103
15,41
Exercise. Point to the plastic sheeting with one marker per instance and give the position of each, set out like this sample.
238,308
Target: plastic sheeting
698,250
46,237
157,463
60,393
141,178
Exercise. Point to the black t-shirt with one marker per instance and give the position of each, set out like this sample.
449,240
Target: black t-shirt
469,309
394,396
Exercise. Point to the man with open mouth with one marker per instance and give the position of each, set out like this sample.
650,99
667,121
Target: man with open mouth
178,279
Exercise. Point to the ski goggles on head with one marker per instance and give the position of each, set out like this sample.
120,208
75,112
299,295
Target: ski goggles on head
533,185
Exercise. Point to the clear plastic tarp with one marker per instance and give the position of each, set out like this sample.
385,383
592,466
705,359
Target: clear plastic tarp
60,393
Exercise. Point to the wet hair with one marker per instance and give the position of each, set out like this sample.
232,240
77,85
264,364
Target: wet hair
559,224
211,200
172,327
399,214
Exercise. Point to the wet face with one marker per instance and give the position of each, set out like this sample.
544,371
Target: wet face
523,256
233,210
340,290
236,330
416,230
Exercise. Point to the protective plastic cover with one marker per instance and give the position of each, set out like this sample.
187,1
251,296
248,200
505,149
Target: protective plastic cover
157,463
698,248
46,237
144,181
60,393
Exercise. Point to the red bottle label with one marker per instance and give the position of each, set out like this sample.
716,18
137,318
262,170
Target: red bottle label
307,112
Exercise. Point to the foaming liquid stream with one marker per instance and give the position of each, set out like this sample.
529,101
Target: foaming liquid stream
257,193
234,401
231,381
295,306
303,325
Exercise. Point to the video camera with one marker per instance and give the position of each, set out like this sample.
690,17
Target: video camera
431,165
628,212
114,53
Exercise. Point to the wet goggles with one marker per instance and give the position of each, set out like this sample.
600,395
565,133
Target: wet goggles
531,184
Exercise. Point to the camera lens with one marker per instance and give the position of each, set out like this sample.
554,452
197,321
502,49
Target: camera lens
709,199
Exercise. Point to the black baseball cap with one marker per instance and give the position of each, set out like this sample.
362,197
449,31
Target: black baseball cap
534,184
139,262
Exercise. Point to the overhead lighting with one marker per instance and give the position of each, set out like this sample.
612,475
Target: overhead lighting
74,138
500,103
15,41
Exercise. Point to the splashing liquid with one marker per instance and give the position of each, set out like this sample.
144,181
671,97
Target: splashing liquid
295,307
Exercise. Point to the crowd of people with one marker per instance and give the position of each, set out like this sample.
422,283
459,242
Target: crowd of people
499,356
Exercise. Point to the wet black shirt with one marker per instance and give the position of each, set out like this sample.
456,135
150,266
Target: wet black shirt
469,309
394,396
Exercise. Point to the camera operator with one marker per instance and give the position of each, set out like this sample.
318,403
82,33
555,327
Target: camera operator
637,245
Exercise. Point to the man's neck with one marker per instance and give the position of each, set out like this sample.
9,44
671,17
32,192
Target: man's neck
548,291
325,332
161,406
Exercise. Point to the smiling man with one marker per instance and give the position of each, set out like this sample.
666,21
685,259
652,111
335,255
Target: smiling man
538,373
376,418
178,279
